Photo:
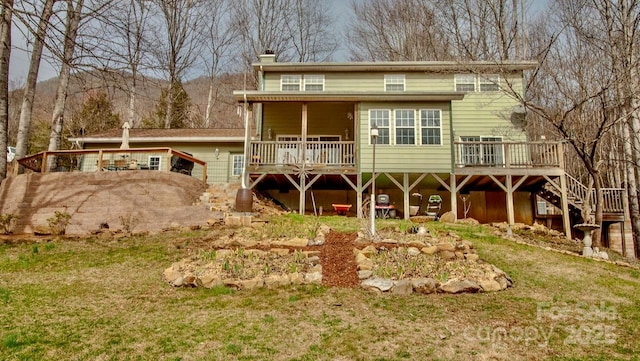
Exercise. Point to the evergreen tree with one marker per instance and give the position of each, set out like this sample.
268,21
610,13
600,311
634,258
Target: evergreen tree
180,112
96,115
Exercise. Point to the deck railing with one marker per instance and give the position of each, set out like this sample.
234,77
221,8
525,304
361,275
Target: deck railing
88,160
509,154
613,197
279,153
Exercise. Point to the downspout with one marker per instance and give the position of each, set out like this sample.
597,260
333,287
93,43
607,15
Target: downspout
246,135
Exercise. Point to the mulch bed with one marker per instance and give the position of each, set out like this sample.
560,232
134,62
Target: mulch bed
339,267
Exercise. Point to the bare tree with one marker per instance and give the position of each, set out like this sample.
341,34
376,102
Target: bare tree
219,38
74,15
483,29
312,37
177,51
5,54
397,30
26,109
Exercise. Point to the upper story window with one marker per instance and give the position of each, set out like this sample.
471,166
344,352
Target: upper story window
465,82
314,83
289,82
394,83
430,127
483,83
381,119
489,83
405,126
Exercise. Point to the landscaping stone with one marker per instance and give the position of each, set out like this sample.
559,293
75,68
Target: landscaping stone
364,274
279,251
314,260
369,250
450,247
293,242
448,217
381,284
413,251
251,284
296,278
430,250
402,287
210,281
459,286
471,257
447,255
313,277
425,285
417,244
274,281
489,285
233,221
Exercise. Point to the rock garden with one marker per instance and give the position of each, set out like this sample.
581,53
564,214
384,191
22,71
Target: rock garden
403,258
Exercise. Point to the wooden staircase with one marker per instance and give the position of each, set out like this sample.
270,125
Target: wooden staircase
577,193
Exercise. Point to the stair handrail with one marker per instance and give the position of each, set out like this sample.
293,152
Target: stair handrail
576,189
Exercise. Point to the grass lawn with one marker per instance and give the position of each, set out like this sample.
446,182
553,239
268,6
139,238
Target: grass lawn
97,299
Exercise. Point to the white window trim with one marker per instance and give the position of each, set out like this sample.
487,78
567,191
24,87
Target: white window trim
394,77
394,123
159,161
481,154
313,76
460,76
233,163
488,79
419,121
390,126
290,76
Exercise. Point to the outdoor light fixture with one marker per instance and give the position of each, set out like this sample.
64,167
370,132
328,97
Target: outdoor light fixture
269,134
217,153
374,140
346,133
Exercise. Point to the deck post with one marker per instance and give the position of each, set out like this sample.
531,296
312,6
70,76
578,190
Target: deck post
359,194
510,208
454,195
566,222
43,166
406,192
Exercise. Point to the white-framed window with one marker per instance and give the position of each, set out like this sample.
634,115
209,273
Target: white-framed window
479,153
489,83
238,164
405,126
465,82
430,127
290,82
154,162
394,82
381,118
314,83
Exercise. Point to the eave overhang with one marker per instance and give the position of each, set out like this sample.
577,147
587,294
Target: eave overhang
406,66
254,96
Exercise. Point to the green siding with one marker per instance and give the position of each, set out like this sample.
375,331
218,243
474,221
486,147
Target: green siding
405,158
218,169
322,119
488,114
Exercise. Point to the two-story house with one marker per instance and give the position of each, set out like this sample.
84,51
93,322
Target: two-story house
447,128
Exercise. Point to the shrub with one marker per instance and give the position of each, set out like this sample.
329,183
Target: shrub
59,222
7,222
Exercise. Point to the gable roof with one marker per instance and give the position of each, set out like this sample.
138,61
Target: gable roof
154,135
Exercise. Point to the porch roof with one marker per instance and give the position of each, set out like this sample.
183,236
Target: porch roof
255,96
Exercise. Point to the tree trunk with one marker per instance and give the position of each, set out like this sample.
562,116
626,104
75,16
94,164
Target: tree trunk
132,103
597,233
71,32
26,109
207,116
5,52
169,112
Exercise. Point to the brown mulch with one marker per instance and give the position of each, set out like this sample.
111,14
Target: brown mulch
339,267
